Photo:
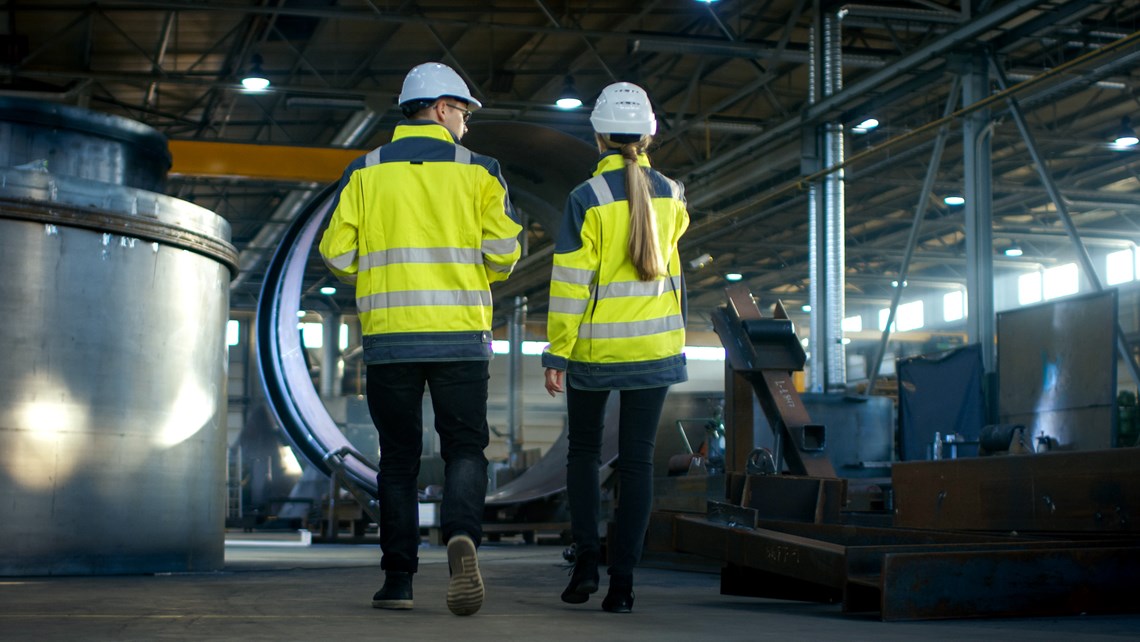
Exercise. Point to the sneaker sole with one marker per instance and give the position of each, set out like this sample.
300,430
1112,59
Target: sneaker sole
465,591
395,605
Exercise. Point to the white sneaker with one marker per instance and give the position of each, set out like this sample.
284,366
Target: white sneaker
465,592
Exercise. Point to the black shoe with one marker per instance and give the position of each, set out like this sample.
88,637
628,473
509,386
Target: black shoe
619,599
584,579
396,592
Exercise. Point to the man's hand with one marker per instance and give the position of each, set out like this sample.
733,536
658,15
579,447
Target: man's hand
554,381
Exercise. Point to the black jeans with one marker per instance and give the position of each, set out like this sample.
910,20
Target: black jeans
637,431
395,401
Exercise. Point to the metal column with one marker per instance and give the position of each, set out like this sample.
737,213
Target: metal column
826,217
977,139
332,368
517,332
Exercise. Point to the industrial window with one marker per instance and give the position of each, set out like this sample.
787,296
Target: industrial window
954,306
853,324
1062,280
1119,267
1029,288
908,316
313,337
233,332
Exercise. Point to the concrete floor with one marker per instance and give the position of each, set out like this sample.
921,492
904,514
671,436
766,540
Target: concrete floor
276,589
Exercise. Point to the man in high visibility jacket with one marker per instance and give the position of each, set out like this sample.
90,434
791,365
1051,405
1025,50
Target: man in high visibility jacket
422,226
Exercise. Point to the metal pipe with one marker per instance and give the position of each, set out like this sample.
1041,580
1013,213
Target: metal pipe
916,225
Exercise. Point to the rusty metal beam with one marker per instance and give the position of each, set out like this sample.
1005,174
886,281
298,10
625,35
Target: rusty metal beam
925,586
1093,491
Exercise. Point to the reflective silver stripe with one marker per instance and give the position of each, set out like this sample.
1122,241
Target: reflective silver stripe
342,262
628,329
567,305
383,300
420,255
601,190
372,158
639,288
575,276
495,267
500,246
462,155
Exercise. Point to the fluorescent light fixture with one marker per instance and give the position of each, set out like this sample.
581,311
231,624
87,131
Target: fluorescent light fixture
1013,250
954,200
255,80
325,102
300,314
328,290
733,276
867,125
568,98
806,308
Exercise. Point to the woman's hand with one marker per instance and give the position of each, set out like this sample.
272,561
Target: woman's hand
554,381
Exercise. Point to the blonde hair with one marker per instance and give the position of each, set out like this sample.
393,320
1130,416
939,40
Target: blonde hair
644,248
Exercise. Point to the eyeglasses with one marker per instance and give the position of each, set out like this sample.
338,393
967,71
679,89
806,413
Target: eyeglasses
466,112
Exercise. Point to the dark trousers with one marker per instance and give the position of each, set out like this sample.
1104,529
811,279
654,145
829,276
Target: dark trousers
395,401
640,411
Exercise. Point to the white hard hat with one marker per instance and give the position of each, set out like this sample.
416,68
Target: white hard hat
432,80
623,108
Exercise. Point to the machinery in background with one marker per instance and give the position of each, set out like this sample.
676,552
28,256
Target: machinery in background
1039,535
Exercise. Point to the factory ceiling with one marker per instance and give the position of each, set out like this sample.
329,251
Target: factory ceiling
732,83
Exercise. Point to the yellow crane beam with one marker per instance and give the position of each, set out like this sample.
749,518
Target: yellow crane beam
265,162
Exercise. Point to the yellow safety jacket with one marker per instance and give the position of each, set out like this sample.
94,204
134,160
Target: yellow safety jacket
608,329
423,226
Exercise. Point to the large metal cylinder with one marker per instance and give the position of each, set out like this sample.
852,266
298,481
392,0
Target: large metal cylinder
113,389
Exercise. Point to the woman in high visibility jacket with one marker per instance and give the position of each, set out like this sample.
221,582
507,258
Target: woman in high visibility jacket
616,322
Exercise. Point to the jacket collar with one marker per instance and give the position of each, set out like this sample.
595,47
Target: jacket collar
422,129
612,160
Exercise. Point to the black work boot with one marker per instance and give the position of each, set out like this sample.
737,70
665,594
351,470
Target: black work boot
584,579
619,599
396,592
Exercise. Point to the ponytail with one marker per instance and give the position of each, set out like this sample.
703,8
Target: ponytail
644,246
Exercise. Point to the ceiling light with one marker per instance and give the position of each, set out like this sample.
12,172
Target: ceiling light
1013,250
568,98
733,276
954,200
865,126
328,290
806,308
1125,136
255,80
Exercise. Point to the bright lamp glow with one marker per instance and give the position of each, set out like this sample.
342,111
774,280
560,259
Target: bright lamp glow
733,276
255,80
328,290
865,126
954,200
1126,136
568,98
